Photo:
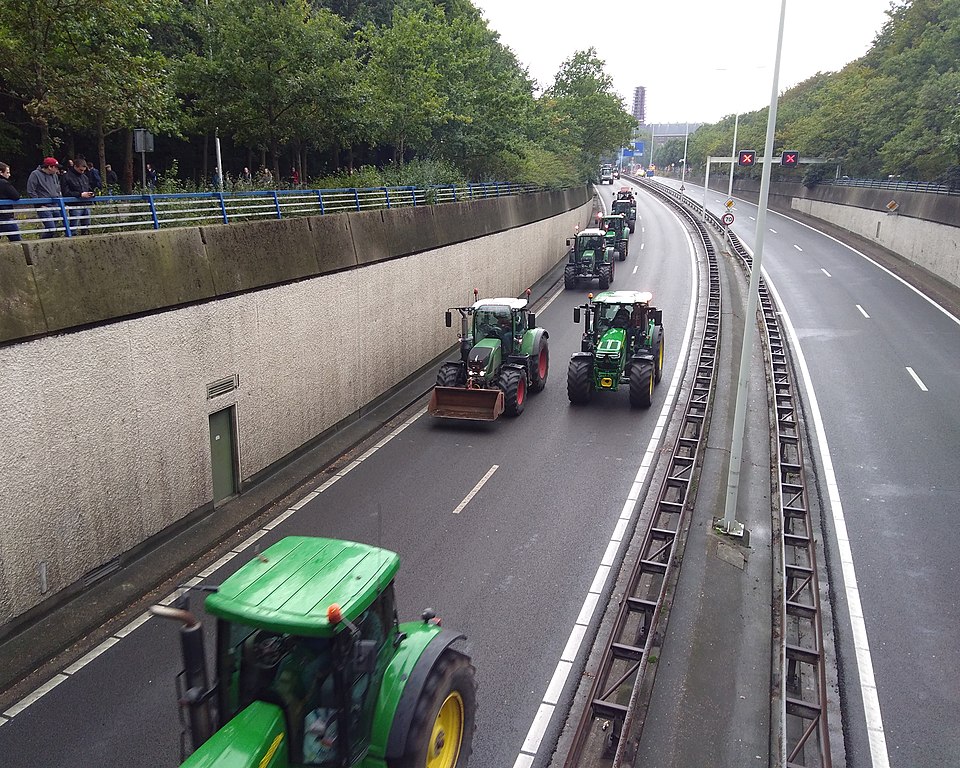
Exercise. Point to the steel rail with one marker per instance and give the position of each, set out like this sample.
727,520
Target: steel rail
804,709
614,692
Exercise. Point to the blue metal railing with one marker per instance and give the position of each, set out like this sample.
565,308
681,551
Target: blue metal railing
124,213
927,187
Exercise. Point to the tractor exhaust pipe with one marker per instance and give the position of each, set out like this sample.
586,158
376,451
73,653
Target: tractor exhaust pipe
196,686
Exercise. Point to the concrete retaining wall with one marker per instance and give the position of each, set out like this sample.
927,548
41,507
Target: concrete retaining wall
106,435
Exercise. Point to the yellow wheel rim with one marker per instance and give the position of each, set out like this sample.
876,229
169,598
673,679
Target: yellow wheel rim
444,747
660,365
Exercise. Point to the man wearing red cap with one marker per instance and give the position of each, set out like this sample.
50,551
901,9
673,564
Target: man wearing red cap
44,181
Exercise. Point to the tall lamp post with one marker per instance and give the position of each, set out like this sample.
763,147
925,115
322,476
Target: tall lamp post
683,168
733,153
729,523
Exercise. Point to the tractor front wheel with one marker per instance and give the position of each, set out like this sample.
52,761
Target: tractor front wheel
451,375
569,277
513,382
623,252
658,363
540,369
641,384
441,732
605,278
580,381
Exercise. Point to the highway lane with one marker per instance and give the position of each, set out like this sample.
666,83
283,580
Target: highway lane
885,366
511,569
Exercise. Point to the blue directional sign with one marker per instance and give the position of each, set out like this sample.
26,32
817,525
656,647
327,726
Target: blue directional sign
628,153
638,147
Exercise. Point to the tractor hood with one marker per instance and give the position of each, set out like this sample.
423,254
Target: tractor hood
485,353
589,255
611,342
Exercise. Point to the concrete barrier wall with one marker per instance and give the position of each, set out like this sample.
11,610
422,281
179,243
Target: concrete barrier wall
106,435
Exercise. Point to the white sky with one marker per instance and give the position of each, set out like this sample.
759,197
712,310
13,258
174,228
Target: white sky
699,59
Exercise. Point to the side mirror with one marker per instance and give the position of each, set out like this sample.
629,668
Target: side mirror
576,315
449,318
365,657
531,319
569,241
658,317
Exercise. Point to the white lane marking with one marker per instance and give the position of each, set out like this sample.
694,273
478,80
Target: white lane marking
641,246
138,622
718,201
798,247
863,312
917,379
476,488
643,229
279,519
209,570
304,501
251,540
34,697
541,721
773,230
825,272
555,688
4,720
868,688
753,218
88,657
635,270
550,301
862,255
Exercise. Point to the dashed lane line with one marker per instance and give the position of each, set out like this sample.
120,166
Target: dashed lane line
916,378
635,270
863,311
825,272
798,247
476,489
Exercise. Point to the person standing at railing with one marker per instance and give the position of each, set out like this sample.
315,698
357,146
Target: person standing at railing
44,181
113,182
295,177
8,222
77,184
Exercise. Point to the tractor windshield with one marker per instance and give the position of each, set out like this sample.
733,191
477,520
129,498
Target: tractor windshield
493,322
591,243
611,316
621,206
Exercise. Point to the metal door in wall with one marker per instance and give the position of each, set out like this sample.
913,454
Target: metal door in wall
223,454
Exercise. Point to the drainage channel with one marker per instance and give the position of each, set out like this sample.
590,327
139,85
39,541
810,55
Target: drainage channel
610,716
804,699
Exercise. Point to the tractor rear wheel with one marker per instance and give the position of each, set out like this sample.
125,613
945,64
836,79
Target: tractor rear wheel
451,375
633,227
441,732
641,384
540,369
658,362
513,382
569,277
580,380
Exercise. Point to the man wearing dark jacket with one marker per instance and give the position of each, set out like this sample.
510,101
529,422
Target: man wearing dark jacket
8,222
44,181
76,183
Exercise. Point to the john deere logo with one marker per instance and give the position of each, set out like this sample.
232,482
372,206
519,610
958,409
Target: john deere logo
610,346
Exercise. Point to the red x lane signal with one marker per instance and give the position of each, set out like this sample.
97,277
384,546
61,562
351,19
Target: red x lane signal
747,157
789,157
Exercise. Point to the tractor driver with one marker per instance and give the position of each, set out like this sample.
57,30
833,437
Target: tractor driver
636,325
505,323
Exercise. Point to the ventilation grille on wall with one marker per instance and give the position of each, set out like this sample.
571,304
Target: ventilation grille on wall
222,386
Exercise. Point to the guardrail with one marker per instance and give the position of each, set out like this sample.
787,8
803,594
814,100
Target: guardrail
927,187
49,217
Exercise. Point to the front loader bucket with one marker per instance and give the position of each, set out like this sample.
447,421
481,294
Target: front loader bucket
462,403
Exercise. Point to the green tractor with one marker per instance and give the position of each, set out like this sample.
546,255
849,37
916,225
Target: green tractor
617,232
314,669
590,257
503,355
622,344
626,204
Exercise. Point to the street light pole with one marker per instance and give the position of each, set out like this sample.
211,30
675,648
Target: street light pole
733,153
683,169
729,523
653,143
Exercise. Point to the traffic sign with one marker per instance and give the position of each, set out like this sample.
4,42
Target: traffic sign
747,157
729,203
727,219
789,157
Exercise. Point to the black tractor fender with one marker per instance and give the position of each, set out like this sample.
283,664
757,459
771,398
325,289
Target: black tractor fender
581,355
403,717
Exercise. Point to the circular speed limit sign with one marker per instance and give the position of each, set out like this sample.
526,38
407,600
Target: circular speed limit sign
727,219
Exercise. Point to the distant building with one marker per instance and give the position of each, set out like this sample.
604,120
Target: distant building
640,104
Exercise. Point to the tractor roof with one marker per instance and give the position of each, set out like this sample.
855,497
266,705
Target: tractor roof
614,216
505,302
623,297
289,587
592,231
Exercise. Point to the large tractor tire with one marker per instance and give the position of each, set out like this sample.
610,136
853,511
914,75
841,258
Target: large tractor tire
513,382
569,277
580,380
441,732
605,277
633,227
658,362
451,375
623,250
540,369
641,384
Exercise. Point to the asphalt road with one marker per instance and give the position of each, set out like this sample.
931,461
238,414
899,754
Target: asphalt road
511,569
893,437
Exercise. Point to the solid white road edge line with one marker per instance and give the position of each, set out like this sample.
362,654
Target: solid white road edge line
531,744
868,686
476,488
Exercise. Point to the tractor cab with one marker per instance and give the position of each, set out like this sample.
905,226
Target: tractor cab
590,244
626,206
